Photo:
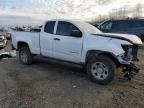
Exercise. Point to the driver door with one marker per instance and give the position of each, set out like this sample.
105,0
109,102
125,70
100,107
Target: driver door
65,46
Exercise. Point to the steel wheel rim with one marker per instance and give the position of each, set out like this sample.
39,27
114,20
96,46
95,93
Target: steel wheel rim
99,70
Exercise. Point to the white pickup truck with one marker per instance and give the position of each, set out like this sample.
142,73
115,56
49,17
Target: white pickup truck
83,44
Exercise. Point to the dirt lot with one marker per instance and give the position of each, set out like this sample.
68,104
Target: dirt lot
48,84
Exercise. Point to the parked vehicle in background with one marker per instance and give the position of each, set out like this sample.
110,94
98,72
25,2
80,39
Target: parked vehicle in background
82,44
126,26
18,29
36,29
4,32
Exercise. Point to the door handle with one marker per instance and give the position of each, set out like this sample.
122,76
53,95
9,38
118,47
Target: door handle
57,39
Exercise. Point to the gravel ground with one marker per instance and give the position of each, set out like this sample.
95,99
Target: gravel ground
51,84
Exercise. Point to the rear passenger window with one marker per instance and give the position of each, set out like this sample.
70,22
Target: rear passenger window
49,27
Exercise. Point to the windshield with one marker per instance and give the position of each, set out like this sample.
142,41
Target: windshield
89,28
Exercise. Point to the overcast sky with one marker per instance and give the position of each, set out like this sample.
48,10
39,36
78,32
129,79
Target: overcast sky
36,11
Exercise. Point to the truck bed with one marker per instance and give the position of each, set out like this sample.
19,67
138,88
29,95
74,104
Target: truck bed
31,38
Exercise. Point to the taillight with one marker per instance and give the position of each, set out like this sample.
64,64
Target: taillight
2,38
8,36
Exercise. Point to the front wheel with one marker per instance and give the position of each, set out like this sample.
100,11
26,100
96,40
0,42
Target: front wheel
101,69
25,56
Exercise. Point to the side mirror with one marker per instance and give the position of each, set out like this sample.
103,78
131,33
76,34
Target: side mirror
76,33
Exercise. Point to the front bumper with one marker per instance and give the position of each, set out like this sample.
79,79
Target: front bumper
124,61
130,70
128,65
130,55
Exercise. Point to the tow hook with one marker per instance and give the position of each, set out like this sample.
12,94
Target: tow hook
130,70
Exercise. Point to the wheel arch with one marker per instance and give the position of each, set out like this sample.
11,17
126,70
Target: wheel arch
92,53
21,44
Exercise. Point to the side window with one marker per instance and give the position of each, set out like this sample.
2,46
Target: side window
49,27
66,28
106,26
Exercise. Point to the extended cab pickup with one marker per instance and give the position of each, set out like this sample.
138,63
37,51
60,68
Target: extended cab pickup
83,44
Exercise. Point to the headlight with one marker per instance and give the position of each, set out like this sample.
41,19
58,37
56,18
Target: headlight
128,51
126,47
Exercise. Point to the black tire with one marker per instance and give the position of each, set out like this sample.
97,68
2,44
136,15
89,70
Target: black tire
108,71
25,51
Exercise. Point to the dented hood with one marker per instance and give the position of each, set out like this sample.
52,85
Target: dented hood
131,38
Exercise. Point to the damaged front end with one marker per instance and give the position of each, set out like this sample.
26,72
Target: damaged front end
128,60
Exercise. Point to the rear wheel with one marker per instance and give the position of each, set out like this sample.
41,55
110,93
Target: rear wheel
25,56
101,69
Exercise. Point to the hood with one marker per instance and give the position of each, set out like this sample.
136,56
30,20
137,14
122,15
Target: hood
127,37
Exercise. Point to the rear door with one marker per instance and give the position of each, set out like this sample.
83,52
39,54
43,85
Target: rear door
46,39
66,46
